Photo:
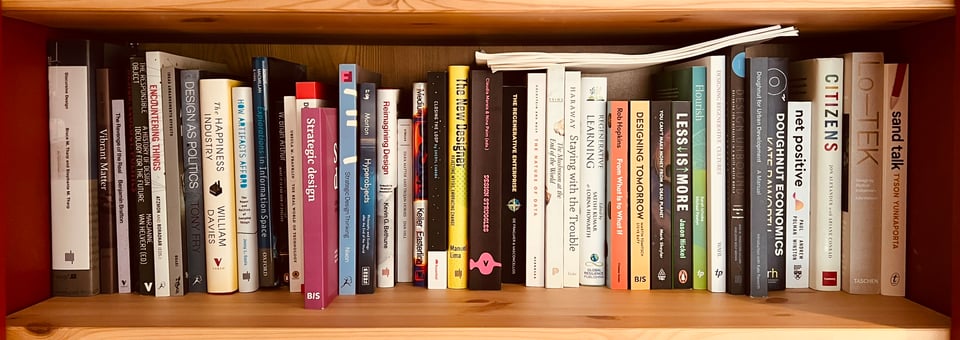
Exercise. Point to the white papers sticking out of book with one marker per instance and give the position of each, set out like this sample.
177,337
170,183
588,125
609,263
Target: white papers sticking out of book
615,62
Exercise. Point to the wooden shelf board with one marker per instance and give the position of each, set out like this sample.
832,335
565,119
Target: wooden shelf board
464,19
406,310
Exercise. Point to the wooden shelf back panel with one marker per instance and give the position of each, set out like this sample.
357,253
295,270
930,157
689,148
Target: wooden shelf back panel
409,311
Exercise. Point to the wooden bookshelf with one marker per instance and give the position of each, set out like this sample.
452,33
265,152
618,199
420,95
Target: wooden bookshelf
403,40
408,311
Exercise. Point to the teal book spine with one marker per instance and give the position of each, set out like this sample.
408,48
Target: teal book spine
698,101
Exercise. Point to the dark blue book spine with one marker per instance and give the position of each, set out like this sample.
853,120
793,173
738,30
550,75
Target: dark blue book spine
192,176
366,236
265,173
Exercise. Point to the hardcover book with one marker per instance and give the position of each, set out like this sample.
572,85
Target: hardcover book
386,164
437,126
514,169
536,178
320,194
309,94
419,140
458,89
862,171
367,193
798,194
757,89
219,195
272,80
661,194
639,188
618,218
554,234
571,178
821,82
405,198
351,76
893,253
737,170
194,214
593,130
776,158
244,177
485,263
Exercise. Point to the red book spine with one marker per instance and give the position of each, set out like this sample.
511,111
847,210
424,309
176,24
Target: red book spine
320,195
618,219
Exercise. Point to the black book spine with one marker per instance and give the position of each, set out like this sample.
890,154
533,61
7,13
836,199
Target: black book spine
140,170
514,168
437,155
661,211
682,196
367,198
484,227
267,182
757,94
736,186
192,180
776,156
106,209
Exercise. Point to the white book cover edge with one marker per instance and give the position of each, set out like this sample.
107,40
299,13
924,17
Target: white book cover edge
387,101
798,192
246,189
536,181
571,178
405,200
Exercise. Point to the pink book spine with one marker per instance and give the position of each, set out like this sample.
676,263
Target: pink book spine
319,142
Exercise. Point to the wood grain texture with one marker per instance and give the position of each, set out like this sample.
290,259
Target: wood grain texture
593,312
386,20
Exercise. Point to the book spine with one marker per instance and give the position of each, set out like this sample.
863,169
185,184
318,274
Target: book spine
122,221
862,107
893,254
367,196
661,211
173,164
291,134
192,178
593,195
716,176
266,174
106,206
536,178
458,89
776,157
219,195
757,253
682,196
485,262
158,187
639,188
555,224
73,202
514,169
387,101
320,194
572,209
698,154
245,190
405,200
617,186
821,81
420,178
140,170
347,186
437,175
798,192
737,161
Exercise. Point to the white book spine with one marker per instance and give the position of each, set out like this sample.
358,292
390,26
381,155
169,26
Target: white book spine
405,200
893,247
716,175
219,191
387,100
555,224
571,179
593,128
798,192
120,195
73,207
291,116
536,177
244,172
158,187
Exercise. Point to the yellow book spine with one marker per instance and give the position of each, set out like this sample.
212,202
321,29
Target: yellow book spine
459,102
639,186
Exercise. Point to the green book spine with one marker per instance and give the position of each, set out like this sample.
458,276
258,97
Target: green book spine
699,103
